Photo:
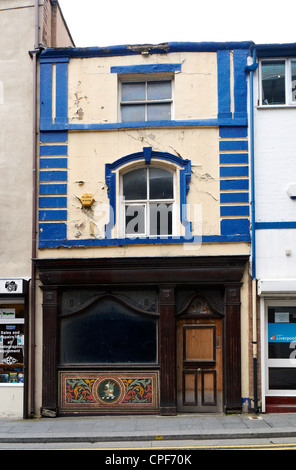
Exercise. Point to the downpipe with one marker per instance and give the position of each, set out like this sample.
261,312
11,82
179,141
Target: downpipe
250,70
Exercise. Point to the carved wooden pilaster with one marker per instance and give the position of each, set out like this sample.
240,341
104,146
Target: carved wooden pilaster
49,360
232,347
167,350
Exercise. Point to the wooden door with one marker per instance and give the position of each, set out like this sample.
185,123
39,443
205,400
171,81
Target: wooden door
199,365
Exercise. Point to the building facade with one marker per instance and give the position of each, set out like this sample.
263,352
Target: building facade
144,292
25,28
272,70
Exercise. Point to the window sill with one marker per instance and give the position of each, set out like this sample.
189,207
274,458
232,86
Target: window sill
277,106
11,385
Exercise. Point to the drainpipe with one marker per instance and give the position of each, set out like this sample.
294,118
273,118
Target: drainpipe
34,55
251,69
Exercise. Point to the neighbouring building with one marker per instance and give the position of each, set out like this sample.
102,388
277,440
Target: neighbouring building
26,28
272,69
143,290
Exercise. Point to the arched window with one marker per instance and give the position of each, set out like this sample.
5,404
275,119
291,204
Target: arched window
148,201
148,197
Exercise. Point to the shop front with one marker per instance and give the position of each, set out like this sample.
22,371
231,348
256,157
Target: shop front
13,324
278,329
141,335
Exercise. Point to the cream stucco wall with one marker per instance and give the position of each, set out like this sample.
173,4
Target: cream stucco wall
93,90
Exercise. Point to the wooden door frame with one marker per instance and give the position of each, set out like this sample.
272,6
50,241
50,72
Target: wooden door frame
167,274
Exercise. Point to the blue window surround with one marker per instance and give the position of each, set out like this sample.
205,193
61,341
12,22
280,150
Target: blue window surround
146,156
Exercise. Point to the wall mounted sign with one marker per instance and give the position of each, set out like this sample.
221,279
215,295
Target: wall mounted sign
87,199
11,286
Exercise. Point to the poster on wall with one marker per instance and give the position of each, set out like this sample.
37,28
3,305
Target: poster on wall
11,344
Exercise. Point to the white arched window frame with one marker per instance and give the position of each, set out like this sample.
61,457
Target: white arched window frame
148,201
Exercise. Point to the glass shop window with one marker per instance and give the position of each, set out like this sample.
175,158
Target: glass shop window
11,343
282,348
108,332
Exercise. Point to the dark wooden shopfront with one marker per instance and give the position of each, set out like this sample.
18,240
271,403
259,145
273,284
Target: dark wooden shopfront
141,335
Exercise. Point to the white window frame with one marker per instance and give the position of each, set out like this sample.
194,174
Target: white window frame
145,79
146,203
289,102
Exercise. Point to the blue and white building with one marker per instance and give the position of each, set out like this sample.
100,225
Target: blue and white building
272,71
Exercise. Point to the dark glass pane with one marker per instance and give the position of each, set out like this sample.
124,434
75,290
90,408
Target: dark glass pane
161,184
161,219
282,378
293,66
281,332
273,82
133,91
132,112
135,185
135,220
159,90
108,333
159,112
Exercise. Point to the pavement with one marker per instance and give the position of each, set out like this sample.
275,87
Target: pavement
147,428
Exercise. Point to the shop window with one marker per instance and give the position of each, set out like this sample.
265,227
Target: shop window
108,332
278,79
146,100
148,202
281,348
11,343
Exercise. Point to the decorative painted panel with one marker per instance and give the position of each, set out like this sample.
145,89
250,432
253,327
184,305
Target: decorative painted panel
96,392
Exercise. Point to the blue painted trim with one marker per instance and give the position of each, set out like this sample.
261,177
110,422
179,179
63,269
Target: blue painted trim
121,50
274,225
147,68
53,176
240,82
274,50
62,242
53,137
227,211
224,93
227,198
146,155
52,202
235,227
46,125
52,215
53,189
53,232
53,150
233,145
233,132
53,163
237,171
46,94
48,60
61,93
227,185
232,158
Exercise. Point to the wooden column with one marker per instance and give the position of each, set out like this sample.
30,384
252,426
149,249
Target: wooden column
232,350
49,360
167,350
